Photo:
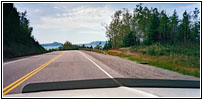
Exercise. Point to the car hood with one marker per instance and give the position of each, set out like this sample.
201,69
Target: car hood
131,87
114,93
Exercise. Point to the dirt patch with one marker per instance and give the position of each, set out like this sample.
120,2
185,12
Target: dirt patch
114,52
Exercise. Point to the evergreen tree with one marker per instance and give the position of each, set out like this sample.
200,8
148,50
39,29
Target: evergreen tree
145,26
129,40
153,33
195,31
163,28
17,39
185,27
173,27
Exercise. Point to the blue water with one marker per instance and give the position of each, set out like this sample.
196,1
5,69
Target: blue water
50,47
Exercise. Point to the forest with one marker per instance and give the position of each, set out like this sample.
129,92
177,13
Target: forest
146,26
151,36
17,34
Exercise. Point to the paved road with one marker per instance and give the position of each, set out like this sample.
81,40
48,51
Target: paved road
74,65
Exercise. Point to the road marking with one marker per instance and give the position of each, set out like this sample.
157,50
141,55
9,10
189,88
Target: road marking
27,76
5,63
102,69
21,59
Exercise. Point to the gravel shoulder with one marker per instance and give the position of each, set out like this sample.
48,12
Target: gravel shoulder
131,69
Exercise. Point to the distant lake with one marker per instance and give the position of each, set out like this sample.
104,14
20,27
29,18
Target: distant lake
50,47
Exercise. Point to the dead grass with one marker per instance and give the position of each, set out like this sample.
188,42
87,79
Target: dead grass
113,52
181,64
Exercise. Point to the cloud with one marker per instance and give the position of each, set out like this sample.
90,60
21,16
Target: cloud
81,17
80,22
36,10
55,7
58,14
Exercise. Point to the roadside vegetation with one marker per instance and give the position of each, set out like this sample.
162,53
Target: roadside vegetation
17,34
184,62
150,36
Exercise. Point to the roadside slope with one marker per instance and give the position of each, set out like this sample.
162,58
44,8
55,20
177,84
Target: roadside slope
17,34
132,69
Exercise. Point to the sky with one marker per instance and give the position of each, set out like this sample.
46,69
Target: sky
82,22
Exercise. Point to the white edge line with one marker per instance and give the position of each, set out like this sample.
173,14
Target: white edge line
142,92
101,69
5,63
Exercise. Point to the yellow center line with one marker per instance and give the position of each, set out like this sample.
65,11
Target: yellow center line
27,76
23,77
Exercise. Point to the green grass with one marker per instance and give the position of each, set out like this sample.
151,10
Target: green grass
190,49
131,58
186,62
166,64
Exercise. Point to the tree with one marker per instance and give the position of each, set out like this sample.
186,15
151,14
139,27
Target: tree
173,26
148,26
163,28
17,32
185,27
107,45
140,22
152,32
195,31
130,40
24,23
91,47
113,30
125,24
98,46
83,45
67,45
11,24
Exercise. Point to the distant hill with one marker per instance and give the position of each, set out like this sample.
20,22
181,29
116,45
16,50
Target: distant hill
17,37
93,43
52,44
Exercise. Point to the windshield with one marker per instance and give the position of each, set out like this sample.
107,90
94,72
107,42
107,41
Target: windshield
69,45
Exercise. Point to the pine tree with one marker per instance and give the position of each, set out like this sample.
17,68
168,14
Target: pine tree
195,31
173,27
163,28
184,27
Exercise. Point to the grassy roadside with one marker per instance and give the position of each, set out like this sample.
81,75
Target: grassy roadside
185,60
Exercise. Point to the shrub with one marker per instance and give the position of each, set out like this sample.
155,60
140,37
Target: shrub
151,51
144,52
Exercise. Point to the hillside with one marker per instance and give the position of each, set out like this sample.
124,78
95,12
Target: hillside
52,44
93,43
17,38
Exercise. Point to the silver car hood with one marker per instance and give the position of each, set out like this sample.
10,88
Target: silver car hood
113,92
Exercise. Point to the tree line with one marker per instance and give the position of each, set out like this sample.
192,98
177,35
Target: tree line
69,46
146,26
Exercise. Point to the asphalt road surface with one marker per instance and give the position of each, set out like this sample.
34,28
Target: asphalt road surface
76,65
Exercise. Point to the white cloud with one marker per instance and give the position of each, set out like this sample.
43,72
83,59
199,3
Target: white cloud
36,10
64,14
81,17
61,22
55,7
58,14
